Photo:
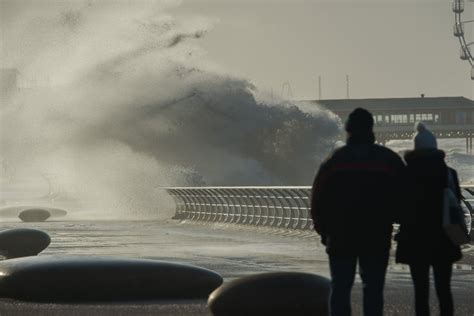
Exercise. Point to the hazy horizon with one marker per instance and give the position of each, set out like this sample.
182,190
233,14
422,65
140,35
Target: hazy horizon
388,48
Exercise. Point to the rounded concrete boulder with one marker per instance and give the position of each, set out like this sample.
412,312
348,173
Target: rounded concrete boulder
278,293
88,279
28,213
22,242
34,215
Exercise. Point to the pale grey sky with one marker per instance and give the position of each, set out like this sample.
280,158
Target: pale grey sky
389,48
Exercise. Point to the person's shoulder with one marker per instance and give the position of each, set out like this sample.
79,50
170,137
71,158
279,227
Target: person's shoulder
388,155
333,156
386,151
339,153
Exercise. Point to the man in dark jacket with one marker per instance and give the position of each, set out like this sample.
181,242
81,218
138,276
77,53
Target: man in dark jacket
353,207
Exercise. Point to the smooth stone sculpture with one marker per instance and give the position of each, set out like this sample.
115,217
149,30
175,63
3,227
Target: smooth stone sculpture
279,293
16,211
22,242
34,215
88,279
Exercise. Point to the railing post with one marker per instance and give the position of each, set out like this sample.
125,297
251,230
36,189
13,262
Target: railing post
285,208
265,214
245,207
212,205
187,203
278,208
232,207
224,205
194,204
300,214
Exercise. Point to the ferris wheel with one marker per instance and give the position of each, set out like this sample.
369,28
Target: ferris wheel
464,29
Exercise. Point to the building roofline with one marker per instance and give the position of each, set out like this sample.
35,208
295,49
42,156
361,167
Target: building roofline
396,103
380,99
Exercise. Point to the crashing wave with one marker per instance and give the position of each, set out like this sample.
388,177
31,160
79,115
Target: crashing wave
132,105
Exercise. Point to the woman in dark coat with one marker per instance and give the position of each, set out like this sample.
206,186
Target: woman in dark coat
421,241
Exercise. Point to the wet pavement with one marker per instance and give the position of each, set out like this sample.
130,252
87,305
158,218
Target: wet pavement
231,250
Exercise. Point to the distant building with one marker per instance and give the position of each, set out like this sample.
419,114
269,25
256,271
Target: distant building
447,117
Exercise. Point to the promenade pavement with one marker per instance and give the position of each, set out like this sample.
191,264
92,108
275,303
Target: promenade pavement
231,250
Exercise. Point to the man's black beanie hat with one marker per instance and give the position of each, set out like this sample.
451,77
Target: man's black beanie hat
360,120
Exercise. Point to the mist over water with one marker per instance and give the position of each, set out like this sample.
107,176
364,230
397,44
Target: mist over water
127,102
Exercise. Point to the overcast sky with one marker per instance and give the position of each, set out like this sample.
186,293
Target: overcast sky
388,48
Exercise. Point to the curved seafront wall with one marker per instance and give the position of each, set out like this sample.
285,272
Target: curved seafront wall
282,206
286,207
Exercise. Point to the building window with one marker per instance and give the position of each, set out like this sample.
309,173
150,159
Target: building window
412,118
399,118
427,117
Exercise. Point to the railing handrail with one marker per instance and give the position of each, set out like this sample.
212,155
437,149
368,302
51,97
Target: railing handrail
237,187
464,185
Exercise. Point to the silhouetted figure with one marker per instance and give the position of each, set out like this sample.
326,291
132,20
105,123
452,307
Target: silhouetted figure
353,210
421,241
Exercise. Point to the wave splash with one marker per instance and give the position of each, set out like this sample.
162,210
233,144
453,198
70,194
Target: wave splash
132,104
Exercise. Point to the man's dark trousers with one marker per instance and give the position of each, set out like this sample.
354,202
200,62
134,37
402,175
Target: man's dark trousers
372,268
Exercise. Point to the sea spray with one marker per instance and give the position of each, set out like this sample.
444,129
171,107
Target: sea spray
130,105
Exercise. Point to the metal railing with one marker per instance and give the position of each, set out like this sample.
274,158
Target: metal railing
285,207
